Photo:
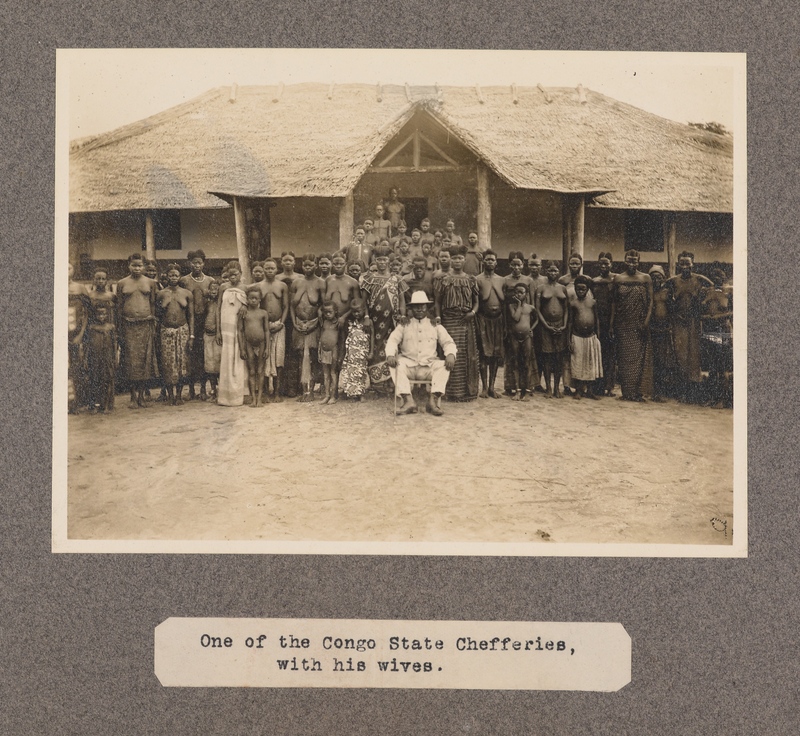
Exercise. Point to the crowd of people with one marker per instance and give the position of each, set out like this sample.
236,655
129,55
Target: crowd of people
335,326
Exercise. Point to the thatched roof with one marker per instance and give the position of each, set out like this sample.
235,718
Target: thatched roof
317,141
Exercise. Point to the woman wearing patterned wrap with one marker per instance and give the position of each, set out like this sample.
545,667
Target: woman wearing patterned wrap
603,285
358,349
175,309
631,307
456,304
385,306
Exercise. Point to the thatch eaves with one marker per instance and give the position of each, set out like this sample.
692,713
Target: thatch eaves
317,141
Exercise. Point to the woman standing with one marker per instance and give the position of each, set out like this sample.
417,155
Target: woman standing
552,308
602,290
175,309
631,307
688,290
456,304
232,369
385,306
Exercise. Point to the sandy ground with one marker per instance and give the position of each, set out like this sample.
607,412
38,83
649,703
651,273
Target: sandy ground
487,471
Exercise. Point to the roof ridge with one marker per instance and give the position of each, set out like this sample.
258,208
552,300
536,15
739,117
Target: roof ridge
683,131
89,143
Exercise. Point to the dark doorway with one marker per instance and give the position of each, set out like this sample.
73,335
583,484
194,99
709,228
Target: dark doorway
416,211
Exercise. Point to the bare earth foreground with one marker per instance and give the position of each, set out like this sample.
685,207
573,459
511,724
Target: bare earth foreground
487,471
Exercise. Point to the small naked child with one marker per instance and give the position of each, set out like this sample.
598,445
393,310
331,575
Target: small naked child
328,350
522,360
254,343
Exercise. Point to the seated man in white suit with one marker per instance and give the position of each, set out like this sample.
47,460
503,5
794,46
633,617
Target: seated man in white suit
411,355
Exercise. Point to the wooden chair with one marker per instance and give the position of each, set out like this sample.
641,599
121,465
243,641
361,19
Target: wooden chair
415,382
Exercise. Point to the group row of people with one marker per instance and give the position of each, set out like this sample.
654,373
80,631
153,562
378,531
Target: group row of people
421,242
329,324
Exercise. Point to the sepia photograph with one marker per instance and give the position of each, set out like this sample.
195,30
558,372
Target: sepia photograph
400,302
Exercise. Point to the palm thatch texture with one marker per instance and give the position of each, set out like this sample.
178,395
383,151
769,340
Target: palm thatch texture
318,140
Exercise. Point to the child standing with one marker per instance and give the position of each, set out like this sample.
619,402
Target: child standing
586,362
276,301
254,342
328,350
101,357
212,352
359,348
431,264
416,244
401,237
426,235
520,341
101,295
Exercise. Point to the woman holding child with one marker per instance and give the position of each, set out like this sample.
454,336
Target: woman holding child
385,306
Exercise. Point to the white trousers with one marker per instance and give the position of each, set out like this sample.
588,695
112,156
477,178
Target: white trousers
407,370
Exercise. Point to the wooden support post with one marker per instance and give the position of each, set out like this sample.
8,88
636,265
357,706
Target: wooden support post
346,220
566,232
241,238
669,243
484,208
572,223
149,237
578,218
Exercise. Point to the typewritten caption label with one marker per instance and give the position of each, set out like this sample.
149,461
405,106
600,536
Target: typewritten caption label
475,655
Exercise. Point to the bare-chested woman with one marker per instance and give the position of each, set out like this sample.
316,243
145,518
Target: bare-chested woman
307,295
489,322
275,301
552,309
341,289
291,373
175,309
136,295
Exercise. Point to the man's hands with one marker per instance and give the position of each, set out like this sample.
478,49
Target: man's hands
449,362
391,360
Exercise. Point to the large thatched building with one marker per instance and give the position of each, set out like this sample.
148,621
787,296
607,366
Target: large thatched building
248,171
